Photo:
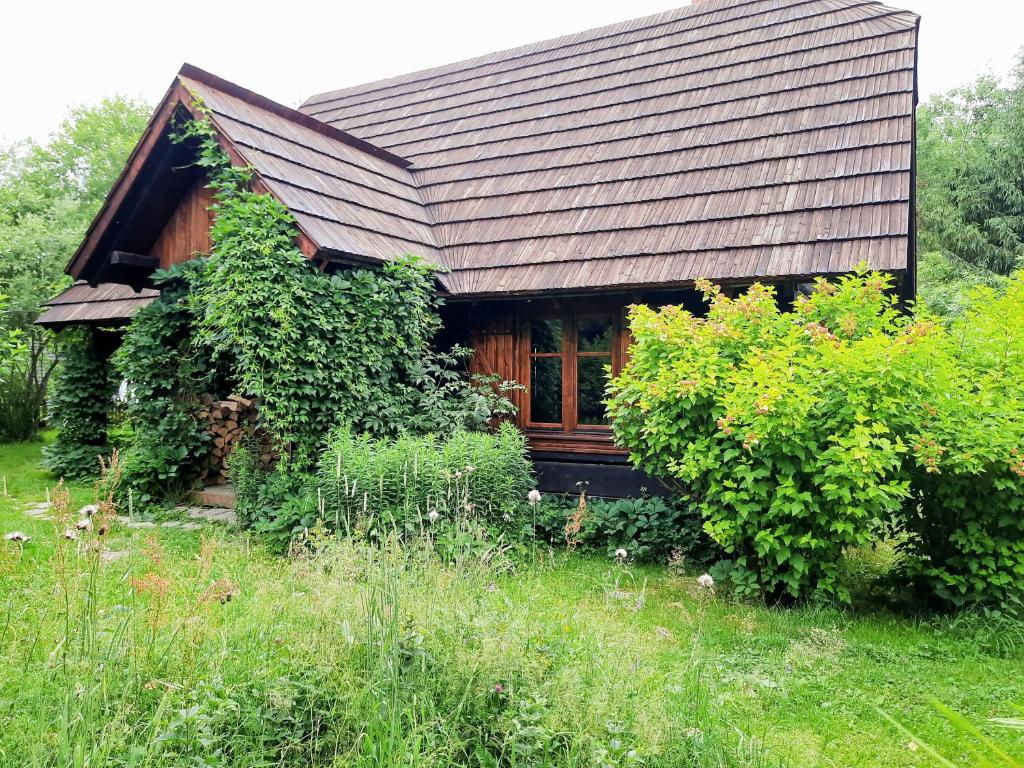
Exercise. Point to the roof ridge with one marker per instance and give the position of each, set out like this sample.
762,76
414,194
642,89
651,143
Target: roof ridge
389,120
695,8
293,115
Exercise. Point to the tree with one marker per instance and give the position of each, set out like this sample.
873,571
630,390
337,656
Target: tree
48,196
970,183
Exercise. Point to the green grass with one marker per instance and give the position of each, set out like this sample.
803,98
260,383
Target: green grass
354,656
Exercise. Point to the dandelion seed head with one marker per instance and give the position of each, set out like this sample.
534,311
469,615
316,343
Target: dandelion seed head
706,581
533,496
621,554
17,536
434,516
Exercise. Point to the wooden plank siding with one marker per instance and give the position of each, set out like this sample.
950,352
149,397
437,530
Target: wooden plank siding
187,232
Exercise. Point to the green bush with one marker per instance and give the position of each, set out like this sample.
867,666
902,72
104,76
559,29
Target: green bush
280,504
781,425
967,513
649,529
80,398
804,434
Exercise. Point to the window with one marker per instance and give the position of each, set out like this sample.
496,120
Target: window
569,359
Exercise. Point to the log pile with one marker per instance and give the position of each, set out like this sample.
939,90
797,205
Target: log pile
228,422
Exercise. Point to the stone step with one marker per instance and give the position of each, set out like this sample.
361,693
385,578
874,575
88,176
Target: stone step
222,496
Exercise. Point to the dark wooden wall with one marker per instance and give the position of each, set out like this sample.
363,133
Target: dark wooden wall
187,232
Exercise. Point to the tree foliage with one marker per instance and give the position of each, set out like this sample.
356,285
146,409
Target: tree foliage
970,189
11,345
48,195
801,435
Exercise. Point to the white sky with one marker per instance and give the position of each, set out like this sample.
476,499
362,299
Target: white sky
57,54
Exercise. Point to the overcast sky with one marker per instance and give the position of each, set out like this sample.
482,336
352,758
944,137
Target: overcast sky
57,54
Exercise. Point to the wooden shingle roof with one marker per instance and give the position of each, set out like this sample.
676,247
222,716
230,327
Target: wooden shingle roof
348,197
103,304
730,139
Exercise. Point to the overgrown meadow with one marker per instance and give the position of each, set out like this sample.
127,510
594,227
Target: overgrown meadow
156,646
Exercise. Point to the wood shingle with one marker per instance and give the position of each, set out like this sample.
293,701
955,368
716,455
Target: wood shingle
726,139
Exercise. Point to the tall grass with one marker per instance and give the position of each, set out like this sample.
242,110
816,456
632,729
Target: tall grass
344,654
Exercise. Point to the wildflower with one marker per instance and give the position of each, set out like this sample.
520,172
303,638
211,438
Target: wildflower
88,510
533,497
706,581
434,516
458,474
84,524
469,507
499,688
17,536
223,591
621,553
470,469
70,534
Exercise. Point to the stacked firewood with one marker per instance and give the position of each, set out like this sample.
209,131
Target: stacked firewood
229,421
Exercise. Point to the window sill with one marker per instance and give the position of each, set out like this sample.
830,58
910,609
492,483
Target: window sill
575,442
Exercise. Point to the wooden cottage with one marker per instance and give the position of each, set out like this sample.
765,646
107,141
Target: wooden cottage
559,182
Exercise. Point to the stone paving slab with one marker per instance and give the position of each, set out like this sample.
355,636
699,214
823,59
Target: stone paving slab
214,514
195,516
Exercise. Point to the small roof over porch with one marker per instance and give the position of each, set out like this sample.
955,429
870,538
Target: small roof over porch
109,304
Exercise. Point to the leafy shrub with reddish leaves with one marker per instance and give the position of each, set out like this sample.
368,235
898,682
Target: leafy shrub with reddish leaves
800,435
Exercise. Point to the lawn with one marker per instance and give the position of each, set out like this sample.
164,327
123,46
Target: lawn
200,648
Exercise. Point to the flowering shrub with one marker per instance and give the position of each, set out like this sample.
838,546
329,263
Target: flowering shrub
968,458
799,435
409,485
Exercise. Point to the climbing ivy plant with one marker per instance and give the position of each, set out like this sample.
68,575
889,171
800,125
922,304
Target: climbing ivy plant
80,397
166,370
316,350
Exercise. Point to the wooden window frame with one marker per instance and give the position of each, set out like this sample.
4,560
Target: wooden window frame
569,354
